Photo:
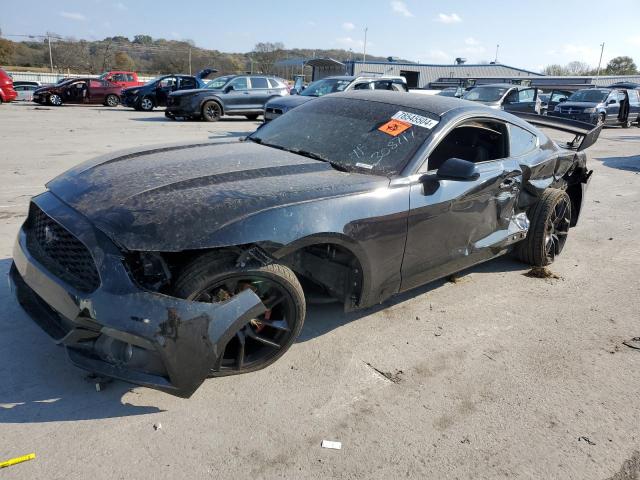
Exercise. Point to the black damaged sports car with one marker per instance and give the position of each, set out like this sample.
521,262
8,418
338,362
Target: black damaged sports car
166,266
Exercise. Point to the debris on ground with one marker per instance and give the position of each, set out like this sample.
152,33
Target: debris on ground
331,444
541,272
392,377
15,461
157,426
99,381
465,440
586,439
456,278
633,343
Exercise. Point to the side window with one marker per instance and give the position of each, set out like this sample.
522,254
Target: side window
239,83
474,140
512,97
187,83
259,82
273,83
129,78
118,77
361,86
521,141
634,97
558,96
612,96
526,95
168,82
621,96
383,85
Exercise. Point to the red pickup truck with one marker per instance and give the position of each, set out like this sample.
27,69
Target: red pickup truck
123,79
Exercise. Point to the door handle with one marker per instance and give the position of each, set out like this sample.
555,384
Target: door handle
507,183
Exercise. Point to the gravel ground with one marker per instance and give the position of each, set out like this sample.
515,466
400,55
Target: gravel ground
495,375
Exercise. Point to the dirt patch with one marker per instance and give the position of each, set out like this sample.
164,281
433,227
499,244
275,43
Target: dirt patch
541,272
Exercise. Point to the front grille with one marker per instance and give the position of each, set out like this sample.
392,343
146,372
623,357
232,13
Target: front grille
60,252
571,110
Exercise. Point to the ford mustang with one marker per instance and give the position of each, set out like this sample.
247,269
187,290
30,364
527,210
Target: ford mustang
167,266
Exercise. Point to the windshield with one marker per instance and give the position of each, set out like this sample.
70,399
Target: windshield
590,95
448,92
218,83
324,86
352,135
485,94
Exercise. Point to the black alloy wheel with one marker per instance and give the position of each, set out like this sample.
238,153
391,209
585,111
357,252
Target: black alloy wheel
211,111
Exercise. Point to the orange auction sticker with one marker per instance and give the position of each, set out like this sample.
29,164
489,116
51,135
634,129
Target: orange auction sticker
394,127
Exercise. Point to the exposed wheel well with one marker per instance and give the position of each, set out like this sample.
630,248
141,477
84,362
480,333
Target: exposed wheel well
575,195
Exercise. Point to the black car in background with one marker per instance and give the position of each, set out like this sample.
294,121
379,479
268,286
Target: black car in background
601,106
229,95
155,92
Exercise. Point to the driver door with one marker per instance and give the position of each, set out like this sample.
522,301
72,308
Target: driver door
522,101
237,97
455,223
164,88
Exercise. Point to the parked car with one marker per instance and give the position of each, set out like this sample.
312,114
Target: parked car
156,92
28,83
124,79
25,92
457,92
166,266
626,85
548,101
601,106
329,85
7,92
505,96
229,95
79,90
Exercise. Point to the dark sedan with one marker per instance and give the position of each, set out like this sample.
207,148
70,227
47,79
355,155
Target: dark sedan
155,92
244,95
79,90
166,266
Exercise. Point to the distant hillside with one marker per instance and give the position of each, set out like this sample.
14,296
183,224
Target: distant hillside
156,56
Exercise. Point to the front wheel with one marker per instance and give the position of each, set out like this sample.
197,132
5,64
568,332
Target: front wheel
550,222
55,100
215,277
627,123
146,104
211,111
112,101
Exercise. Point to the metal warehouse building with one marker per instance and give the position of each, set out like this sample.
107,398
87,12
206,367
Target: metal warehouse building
418,75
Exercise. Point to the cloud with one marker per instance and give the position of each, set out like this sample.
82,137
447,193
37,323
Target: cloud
348,26
436,56
450,18
311,23
73,16
120,6
582,53
401,8
471,41
349,42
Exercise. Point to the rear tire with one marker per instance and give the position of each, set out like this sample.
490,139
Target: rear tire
54,100
112,101
211,111
550,220
215,277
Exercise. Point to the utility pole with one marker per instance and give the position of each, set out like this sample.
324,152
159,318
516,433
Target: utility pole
189,60
600,61
497,48
50,56
364,51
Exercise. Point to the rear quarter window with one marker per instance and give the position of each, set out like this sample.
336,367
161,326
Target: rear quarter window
521,141
259,82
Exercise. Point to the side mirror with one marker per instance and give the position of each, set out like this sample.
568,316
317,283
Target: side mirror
611,102
228,88
457,169
293,91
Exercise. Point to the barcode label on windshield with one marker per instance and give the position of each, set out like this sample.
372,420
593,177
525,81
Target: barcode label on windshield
413,119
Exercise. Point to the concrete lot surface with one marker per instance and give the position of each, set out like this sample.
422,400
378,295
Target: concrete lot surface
497,375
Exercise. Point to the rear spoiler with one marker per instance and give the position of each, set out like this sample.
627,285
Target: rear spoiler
586,134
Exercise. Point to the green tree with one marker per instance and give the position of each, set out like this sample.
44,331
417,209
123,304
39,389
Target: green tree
122,61
143,39
622,65
7,48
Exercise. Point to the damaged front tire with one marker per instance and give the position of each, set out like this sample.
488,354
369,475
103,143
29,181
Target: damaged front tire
215,277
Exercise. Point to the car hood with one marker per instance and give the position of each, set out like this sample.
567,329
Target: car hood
176,198
290,101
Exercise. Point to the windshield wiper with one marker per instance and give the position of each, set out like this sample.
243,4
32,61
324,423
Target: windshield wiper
298,151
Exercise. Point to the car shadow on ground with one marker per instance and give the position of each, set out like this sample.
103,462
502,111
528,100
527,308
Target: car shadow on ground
322,319
37,382
629,164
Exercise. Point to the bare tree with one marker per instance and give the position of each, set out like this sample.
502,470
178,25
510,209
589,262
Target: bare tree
266,54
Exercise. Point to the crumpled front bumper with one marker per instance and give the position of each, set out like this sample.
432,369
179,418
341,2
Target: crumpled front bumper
120,330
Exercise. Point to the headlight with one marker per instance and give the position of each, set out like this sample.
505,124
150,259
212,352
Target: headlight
556,108
589,110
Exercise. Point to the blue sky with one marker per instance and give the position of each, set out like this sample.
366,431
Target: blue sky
531,34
